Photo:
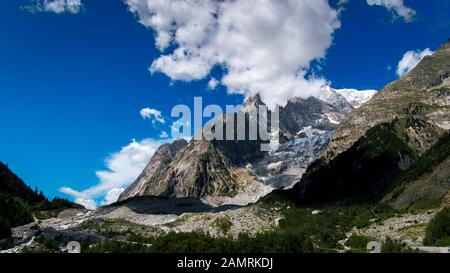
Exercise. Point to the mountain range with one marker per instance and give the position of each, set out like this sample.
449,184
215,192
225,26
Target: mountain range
341,144
400,130
237,172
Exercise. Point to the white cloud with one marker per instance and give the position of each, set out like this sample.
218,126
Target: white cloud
55,6
123,168
395,6
112,196
152,114
164,135
80,198
212,84
264,46
341,5
410,60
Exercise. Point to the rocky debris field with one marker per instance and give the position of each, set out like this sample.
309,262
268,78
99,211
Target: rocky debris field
60,226
409,228
226,222
249,220
119,222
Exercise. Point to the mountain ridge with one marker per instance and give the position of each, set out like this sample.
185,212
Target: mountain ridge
380,141
23,203
236,171
417,86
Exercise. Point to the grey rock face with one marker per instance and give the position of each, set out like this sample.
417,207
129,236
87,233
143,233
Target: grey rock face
204,168
300,113
154,171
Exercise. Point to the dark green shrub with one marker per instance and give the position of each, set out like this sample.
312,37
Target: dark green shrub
438,231
359,243
272,242
392,246
5,228
223,224
15,211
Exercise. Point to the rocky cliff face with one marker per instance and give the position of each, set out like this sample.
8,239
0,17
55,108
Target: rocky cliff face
155,171
427,183
323,113
237,172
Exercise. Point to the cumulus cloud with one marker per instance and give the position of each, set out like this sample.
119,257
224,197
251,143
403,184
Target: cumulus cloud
212,84
112,196
264,46
123,167
163,135
80,197
152,114
341,5
55,6
397,7
411,59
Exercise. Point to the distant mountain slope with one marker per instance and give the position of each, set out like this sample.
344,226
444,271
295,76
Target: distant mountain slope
380,141
367,170
16,199
12,185
18,202
427,84
427,183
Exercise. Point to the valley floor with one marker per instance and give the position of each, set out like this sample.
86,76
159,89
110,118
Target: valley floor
326,229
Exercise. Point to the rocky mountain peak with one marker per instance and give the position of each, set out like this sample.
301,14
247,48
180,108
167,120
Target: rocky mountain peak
357,97
171,149
253,101
336,99
178,144
446,44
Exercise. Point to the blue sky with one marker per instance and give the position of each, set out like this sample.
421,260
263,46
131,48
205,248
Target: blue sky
72,84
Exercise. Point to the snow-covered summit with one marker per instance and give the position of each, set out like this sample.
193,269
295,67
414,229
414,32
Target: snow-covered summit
356,97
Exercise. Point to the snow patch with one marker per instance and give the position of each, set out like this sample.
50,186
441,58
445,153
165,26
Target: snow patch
356,97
